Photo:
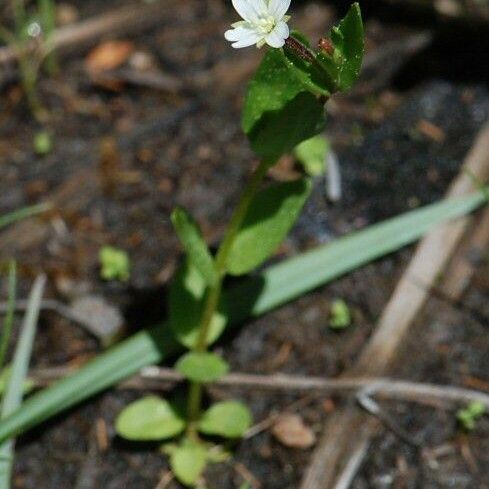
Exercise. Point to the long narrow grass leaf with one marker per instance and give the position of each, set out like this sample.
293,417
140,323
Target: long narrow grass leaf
296,276
18,373
23,214
9,317
256,295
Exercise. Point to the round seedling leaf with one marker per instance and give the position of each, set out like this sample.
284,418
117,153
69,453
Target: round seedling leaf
148,419
229,419
202,367
188,461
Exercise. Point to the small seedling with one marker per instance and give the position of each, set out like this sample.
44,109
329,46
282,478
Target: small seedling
284,107
114,264
340,315
43,143
29,28
468,416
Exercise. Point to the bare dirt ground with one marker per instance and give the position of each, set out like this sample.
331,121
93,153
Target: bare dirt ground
125,155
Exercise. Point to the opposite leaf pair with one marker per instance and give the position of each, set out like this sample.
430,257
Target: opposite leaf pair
269,219
155,419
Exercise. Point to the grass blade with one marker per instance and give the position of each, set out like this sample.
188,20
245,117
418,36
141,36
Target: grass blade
275,286
9,318
296,276
23,214
18,373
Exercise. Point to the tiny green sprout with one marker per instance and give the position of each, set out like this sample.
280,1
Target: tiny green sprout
340,315
115,264
43,143
468,416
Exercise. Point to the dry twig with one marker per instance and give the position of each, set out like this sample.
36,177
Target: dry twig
127,20
428,394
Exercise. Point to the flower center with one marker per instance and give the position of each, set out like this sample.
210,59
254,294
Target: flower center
265,23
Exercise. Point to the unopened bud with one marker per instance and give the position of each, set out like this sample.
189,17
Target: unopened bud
326,45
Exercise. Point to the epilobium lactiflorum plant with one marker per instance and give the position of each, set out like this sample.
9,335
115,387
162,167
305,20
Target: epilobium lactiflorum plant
284,107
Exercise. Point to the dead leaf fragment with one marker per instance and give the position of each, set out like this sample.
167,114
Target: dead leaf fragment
431,131
290,430
108,56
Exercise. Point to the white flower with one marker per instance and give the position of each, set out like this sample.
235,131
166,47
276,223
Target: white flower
264,22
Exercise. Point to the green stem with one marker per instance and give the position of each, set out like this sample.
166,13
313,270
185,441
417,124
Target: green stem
9,318
214,294
19,16
47,10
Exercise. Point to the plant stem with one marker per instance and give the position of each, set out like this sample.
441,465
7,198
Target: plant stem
9,319
214,293
19,15
47,11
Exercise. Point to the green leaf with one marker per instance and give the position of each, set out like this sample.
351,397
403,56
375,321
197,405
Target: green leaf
270,90
279,132
229,419
149,419
468,416
257,295
340,315
279,110
199,255
270,217
202,367
312,154
186,303
24,213
218,454
14,391
188,461
343,66
299,36
352,48
115,264
308,73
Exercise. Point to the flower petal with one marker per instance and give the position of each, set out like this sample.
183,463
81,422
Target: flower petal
282,29
250,10
274,39
244,42
278,8
238,33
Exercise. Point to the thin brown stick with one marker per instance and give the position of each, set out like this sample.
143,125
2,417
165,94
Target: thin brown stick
165,481
340,436
127,20
467,259
429,394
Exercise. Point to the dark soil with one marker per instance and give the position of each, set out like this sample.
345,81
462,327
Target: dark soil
123,159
